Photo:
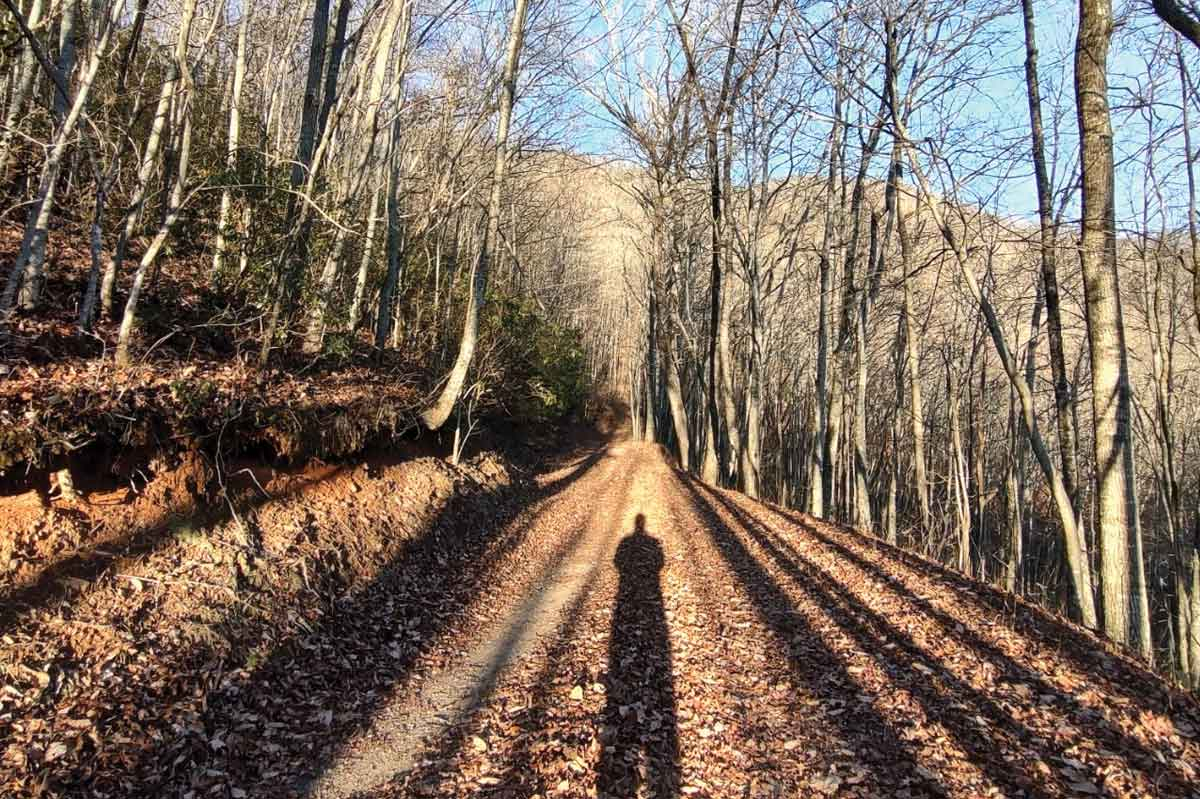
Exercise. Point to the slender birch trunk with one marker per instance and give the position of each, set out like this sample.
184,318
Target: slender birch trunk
25,276
233,141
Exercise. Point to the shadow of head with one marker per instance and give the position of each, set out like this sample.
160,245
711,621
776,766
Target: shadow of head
639,552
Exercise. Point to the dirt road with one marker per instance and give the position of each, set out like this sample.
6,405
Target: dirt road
655,637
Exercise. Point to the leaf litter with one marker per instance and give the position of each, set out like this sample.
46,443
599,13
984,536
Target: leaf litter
740,650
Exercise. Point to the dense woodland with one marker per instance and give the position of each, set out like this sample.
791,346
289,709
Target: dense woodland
826,252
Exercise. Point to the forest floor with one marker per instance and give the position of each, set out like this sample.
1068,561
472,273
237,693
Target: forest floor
596,624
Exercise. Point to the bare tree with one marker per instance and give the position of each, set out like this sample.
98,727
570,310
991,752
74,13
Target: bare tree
436,415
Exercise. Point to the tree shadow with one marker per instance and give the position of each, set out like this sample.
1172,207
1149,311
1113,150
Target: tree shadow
534,719
261,723
450,739
640,733
891,762
61,580
985,727
1083,650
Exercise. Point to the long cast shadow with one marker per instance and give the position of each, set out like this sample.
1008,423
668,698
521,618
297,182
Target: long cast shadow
535,720
890,760
449,741
1067,640
55,582
1075,646
58,578
259,724
640,734
958,705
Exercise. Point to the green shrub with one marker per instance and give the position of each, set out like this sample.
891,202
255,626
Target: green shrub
538,364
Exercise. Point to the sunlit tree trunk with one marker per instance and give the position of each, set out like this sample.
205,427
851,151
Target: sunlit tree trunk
437,414
678,410
1116,497
819,472
294,254
912,356
958,473
175,203
397,16
364,264
177,197
22,82
25,276
725,371
233,140
862,496
1075,544
150,163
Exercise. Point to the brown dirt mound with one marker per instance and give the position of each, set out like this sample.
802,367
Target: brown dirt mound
137,669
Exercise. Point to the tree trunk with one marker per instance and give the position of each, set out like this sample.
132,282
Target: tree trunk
295,250
154,139
728,405
678,411
1063,399
392,241
1074,542
364,264
233,140
819,470
25,276
1116,498
22,83
912,354
437,414
183,100
164,230
958,471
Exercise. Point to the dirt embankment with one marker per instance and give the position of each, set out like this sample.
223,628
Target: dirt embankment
142,624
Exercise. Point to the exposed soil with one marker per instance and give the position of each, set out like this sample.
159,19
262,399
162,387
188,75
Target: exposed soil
599,625
136,665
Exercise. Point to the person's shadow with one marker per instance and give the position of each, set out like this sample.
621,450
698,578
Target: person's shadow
640,737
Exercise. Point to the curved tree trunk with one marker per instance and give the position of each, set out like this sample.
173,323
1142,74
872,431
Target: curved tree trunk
436,415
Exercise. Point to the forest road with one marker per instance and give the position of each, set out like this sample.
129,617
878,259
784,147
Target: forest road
672,639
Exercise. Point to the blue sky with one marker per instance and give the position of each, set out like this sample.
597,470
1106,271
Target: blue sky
991,114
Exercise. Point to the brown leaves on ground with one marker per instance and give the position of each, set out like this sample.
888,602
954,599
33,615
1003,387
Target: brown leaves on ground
722,648
806,660
208,662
